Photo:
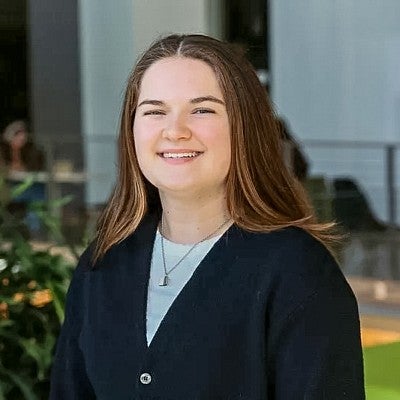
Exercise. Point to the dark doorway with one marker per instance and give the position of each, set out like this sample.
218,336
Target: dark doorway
14,97
246,24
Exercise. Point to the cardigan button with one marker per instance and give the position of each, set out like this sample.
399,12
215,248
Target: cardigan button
145,378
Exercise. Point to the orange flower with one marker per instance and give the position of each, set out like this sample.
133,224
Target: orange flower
3,310
32,284
18,297
41,297
5,281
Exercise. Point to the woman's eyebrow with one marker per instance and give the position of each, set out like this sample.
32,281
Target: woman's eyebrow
152,102
206,98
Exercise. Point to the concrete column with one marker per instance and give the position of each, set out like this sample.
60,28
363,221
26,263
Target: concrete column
107,54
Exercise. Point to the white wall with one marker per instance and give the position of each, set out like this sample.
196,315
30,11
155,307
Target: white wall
107,53
153,18
112,36
335,76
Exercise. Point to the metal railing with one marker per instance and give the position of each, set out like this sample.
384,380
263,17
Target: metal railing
390,152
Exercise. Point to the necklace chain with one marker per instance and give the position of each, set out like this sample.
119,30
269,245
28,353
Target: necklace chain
164,280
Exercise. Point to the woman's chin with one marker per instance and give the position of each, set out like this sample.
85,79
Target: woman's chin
178,188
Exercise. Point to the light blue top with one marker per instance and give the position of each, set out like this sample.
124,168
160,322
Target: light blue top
160,298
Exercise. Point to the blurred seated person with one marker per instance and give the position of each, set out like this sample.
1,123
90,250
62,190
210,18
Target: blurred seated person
294,155
18,153
352,209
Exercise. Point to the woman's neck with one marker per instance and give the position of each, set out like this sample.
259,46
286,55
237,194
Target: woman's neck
16,159
190,222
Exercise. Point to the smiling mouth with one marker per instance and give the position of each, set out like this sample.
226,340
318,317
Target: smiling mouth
170,155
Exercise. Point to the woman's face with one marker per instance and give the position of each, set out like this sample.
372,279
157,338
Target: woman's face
19,139
181,128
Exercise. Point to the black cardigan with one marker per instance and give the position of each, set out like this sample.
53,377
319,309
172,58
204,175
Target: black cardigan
264,316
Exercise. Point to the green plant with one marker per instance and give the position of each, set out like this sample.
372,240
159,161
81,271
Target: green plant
33,285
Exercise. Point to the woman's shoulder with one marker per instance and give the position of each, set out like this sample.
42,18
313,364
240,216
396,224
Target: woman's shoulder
292,259
284,245
85,261
300,267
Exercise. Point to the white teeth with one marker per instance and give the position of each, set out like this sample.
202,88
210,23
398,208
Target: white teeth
180,155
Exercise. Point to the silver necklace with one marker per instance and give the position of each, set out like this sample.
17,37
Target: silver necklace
165,279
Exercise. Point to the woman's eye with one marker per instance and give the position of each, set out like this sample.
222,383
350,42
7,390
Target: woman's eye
154,112
203,111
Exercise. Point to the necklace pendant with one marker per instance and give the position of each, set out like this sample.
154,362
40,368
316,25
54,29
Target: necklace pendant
163,281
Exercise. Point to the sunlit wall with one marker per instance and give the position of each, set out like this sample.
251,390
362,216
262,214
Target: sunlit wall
335,76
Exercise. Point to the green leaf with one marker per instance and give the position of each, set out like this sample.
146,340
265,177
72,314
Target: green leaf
58,295
19,189
4,323
2,391
23,384
40,352
61,202
5,387
8,335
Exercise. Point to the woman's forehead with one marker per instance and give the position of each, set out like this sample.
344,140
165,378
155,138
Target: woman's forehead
179,76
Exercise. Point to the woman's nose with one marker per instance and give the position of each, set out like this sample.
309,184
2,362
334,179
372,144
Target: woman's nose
177,129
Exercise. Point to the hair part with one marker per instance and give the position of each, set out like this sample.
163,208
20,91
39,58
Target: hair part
262,193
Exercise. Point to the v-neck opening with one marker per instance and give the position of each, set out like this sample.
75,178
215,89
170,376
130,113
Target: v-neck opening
210,257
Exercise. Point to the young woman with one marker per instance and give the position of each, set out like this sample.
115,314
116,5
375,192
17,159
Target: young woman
209,277
17,151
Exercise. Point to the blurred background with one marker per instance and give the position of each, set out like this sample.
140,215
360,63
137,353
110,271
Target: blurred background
331,68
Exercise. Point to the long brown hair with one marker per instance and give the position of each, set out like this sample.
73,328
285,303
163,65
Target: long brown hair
262,194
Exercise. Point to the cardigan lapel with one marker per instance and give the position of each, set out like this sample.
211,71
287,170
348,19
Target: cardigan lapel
180,312
137,250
